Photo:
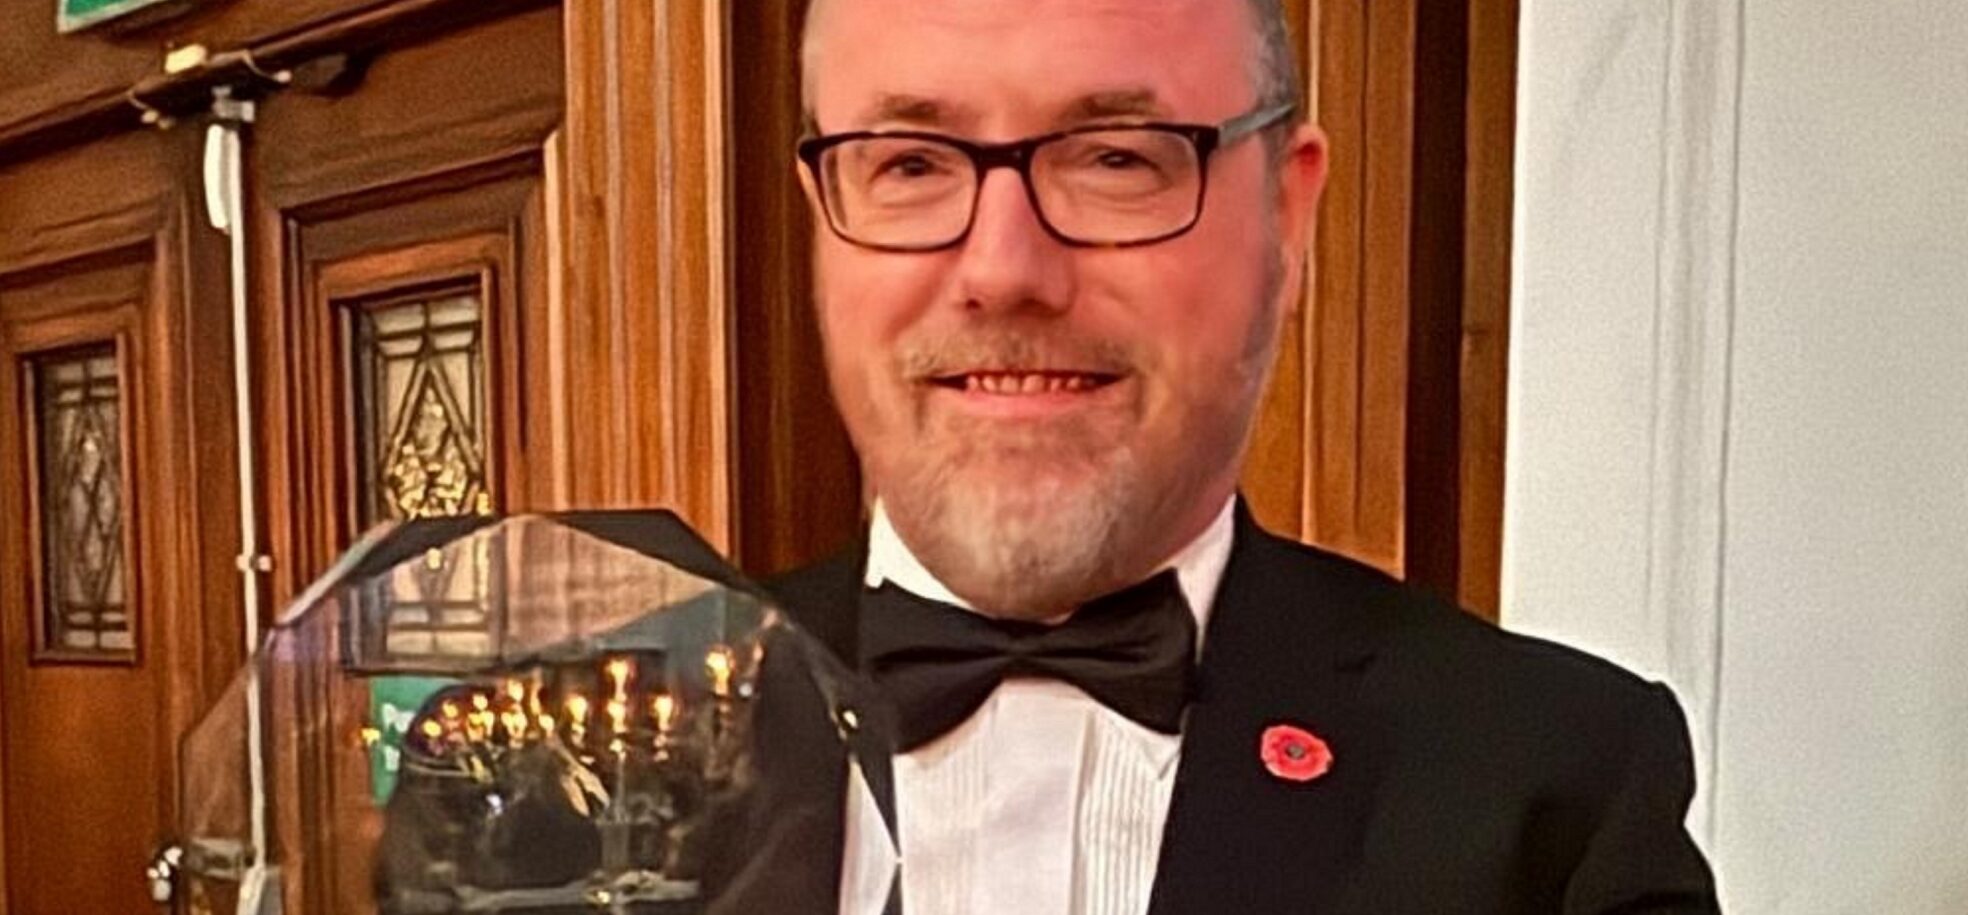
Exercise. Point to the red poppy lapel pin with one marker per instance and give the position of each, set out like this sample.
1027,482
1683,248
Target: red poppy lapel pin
1293,754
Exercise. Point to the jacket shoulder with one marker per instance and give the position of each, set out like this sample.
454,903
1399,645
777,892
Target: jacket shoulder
1497,732
1528,716
1447,649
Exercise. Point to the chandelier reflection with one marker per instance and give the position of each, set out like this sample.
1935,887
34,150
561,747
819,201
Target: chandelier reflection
500,796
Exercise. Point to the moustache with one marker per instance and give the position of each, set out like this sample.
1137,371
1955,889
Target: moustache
1006,350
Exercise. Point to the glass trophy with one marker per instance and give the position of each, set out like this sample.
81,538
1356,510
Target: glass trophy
580,712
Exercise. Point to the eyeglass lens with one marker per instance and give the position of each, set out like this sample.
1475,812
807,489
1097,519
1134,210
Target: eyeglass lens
1097,187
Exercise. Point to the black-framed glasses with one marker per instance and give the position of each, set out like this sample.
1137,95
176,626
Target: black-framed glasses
1105,186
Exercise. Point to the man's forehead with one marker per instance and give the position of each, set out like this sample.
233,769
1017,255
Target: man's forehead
984,11
921,61
1096,104
867,20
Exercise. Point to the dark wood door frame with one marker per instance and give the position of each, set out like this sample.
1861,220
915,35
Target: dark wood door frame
1465,67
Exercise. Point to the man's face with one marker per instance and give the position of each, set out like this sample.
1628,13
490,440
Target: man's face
1044,422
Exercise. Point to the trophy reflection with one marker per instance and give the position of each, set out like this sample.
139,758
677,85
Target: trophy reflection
533,714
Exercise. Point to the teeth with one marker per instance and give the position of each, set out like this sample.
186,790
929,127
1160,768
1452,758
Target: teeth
1022,383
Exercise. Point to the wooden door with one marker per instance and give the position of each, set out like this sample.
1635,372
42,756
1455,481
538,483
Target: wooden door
400,261
118,610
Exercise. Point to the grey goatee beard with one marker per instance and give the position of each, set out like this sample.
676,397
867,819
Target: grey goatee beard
1020,547
1024,522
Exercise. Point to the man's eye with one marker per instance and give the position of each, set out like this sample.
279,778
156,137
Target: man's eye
1121,160
908,166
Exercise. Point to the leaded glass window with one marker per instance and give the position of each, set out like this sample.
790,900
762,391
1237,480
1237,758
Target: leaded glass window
422,424
421,407
78,418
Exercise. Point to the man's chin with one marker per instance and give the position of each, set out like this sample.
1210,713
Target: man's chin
1014,545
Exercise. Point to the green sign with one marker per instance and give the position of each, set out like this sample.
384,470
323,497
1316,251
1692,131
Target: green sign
393,704
75,15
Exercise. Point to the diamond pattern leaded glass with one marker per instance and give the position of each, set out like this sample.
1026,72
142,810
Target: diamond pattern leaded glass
421,415
78,415
420,390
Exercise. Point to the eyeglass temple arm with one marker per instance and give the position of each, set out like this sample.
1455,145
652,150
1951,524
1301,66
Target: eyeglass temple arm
1244,124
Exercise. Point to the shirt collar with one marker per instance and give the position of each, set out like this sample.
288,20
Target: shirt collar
1198,565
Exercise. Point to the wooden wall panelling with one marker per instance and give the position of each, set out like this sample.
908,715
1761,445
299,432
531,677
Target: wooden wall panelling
104,243
799,486
43,70
1381,436
646,294
1327,461
69,88
1492,130
425,167
1337,302
479,226
413,155
287,498
1274,479
70,722
483,233
487,93
292,509
1377,480
200,373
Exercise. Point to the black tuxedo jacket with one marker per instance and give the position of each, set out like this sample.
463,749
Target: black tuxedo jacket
1474,771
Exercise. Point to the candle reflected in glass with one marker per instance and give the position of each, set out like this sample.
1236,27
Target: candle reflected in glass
717,662
577,718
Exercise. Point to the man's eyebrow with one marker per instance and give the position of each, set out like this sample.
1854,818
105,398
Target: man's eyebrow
1113,104
913,110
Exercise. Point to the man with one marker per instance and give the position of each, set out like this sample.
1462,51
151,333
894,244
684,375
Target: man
1055,244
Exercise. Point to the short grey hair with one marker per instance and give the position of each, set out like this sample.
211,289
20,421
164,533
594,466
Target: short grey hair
1276,67
1275,73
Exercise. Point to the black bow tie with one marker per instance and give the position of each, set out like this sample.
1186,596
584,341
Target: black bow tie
1133,650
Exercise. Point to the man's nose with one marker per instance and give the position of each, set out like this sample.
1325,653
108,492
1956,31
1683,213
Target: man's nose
1009,261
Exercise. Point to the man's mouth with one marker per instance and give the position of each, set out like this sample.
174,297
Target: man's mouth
1012,382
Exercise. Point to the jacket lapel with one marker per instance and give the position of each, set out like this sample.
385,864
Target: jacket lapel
1283,646
823,722
824,601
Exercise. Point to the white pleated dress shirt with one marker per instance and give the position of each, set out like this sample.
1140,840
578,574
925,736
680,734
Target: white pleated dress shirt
1043,802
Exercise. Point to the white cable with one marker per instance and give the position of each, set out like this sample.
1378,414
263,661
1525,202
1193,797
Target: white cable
226,208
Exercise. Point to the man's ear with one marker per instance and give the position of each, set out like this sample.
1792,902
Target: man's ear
807,186
1301,178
